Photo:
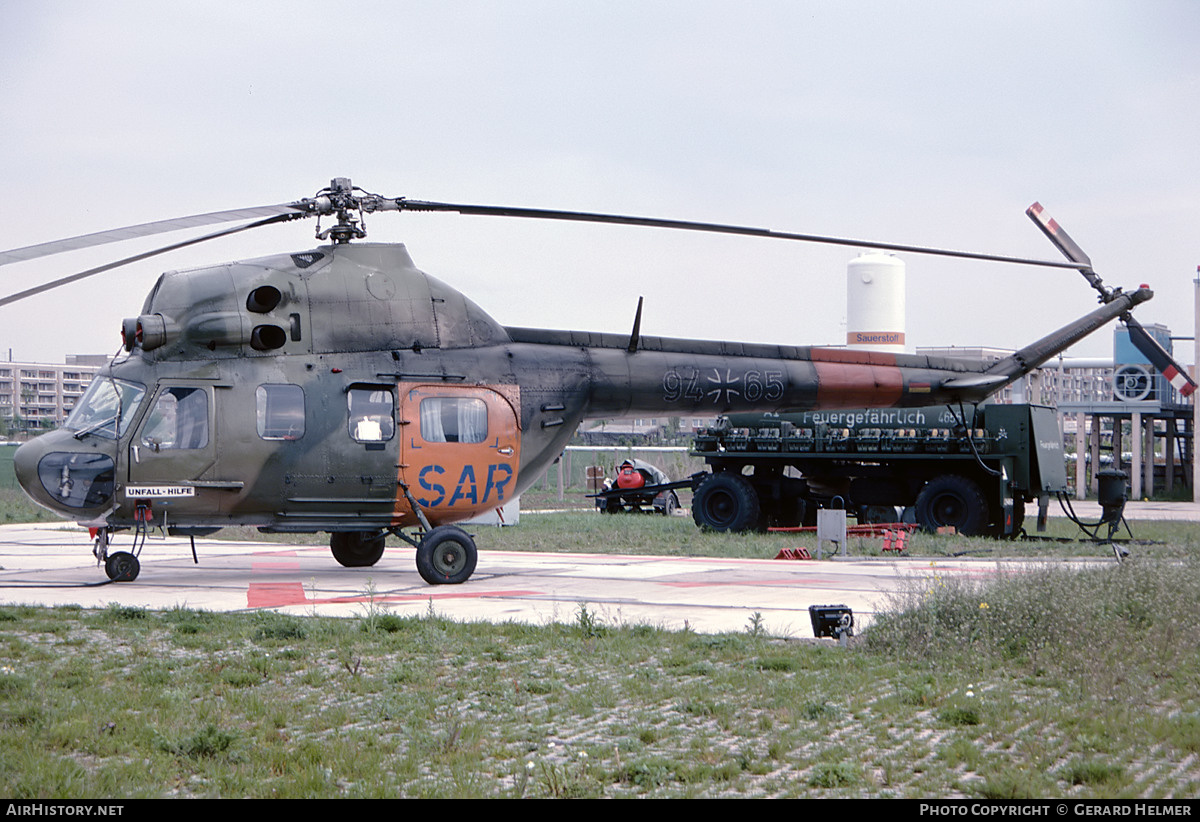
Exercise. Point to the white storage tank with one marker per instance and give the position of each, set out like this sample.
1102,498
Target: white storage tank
875,302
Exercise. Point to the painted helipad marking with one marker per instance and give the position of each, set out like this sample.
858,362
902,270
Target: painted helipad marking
272,567
274,594
281,594
513,592
789,582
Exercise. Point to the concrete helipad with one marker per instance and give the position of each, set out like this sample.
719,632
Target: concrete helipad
53,565
1140,510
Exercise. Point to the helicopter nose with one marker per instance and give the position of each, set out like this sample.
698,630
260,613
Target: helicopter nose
69,481
25,461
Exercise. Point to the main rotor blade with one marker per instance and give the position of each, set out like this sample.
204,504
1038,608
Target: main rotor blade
1175,373
29,292
403,204
147,229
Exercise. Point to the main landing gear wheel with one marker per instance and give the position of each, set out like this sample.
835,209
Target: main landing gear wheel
446,556
122,566
357,549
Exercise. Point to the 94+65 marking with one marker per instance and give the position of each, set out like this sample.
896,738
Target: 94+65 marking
696,385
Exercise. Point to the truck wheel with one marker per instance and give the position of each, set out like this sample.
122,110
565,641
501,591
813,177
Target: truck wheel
952,500
726,502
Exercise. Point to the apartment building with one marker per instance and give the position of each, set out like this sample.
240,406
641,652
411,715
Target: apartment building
39,396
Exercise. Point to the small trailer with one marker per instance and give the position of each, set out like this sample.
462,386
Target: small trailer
640,487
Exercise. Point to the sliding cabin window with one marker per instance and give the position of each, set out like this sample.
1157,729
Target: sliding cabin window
372,414
280,410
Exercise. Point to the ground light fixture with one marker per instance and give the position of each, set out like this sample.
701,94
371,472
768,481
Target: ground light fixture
834,621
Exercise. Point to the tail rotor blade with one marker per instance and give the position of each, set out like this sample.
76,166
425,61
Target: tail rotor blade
1057,235
1158,357
1070,249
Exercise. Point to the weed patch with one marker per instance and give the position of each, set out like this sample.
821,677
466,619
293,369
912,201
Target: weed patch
959,715
835,775
277,627
1093,772
208,742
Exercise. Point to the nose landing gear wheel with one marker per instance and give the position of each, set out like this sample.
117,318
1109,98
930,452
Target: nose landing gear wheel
446,556
122,566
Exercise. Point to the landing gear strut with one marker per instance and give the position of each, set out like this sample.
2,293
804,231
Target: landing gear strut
446,554
120,566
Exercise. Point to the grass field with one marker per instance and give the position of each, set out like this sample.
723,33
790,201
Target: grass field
1057,683
1060,684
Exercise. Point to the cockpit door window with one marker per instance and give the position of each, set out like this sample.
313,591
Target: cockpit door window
178,420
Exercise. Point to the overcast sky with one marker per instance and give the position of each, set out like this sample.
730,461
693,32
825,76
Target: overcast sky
934,123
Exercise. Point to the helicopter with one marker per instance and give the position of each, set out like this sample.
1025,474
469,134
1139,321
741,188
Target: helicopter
341,389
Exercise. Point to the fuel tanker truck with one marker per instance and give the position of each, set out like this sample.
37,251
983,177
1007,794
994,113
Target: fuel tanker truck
970,468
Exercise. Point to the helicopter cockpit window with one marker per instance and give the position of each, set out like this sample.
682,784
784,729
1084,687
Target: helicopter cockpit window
372,418
453,419
107,408
179,420
280,412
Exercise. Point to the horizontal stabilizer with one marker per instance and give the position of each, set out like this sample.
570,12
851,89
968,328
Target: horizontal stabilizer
975,381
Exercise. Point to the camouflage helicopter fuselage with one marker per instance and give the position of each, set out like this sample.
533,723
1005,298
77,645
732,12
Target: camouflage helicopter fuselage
329,390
